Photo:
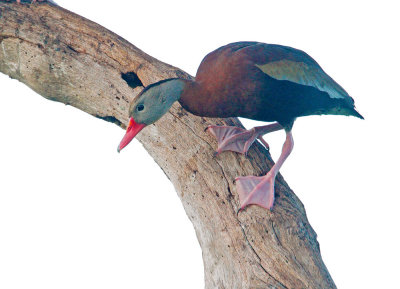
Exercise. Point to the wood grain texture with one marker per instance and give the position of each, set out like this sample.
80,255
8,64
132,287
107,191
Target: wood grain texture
70,59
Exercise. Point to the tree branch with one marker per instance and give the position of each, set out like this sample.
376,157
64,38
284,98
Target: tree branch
69,59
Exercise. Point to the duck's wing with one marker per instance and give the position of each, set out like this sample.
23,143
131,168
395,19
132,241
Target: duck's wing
277,61
286,63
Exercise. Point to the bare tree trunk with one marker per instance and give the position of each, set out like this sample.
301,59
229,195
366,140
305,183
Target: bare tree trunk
67,58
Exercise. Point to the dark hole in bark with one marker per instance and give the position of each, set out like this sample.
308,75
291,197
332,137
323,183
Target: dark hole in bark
131,79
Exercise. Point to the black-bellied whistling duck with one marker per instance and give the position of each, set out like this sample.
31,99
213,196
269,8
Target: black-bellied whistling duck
259,81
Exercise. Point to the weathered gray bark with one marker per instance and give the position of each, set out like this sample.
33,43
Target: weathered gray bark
67,58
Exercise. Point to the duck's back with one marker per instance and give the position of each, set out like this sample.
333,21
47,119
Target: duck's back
264,82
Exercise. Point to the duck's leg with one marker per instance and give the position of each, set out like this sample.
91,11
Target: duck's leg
232,138
260,190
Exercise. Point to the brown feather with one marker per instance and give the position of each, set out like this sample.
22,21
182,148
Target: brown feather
229,83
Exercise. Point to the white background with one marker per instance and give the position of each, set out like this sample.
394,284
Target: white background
76,214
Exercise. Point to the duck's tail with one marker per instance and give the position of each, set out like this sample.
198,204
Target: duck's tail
355,113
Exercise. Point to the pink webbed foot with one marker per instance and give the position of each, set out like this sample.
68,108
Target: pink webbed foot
232,138
261,190
256,191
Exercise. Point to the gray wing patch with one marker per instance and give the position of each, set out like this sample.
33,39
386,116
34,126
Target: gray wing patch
305,74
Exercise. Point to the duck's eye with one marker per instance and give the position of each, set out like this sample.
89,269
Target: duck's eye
140,107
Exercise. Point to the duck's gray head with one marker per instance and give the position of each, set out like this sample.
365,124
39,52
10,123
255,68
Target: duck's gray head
150,105
155,100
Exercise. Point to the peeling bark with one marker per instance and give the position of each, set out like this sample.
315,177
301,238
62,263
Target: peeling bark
70,59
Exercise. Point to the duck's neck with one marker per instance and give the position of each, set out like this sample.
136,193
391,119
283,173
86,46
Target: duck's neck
197,98
182,90
190,95
173,88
